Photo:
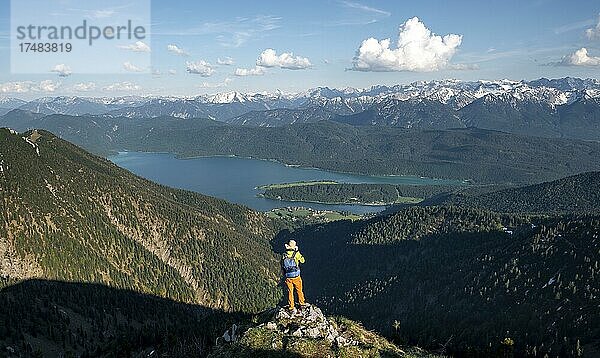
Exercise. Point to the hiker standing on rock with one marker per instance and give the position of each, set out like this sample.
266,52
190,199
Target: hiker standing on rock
291,268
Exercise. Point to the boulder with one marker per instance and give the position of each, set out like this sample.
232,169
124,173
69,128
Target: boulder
313,332
306,332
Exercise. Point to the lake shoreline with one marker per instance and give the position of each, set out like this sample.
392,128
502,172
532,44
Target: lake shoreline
464,181
332,203
236,179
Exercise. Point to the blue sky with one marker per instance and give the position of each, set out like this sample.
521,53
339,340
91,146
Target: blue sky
315,43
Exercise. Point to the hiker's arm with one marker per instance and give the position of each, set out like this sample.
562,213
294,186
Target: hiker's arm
300,258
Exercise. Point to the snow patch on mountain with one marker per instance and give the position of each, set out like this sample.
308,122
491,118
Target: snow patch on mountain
35,147
345,101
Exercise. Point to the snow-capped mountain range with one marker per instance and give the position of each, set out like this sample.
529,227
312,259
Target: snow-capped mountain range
456,93
502,104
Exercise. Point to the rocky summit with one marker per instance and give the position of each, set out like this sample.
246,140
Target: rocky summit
307,332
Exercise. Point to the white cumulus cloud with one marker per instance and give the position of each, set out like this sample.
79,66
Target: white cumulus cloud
15,87
287,60
84,86
130,67
418,49
48,86
256,71
29,86
62,70
227,61
172,71
201,68
593,33
139,46
580,58
177,50
121,87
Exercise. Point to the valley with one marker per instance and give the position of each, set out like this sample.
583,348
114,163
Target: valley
315,179
240,180
482,156
455,269
425,214
500,132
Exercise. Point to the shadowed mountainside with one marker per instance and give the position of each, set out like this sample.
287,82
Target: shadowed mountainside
462,278
574,194
53,318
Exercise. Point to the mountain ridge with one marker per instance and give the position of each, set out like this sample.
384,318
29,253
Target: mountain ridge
567,107
573,194
484,156
72,216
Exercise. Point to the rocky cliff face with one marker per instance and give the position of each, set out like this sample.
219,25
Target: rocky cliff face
306,333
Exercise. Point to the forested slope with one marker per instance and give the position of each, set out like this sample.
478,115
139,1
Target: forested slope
574,194
466,278
54,318
356,193
68,215
480,155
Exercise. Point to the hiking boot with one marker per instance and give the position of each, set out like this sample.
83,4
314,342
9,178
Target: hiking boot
292,311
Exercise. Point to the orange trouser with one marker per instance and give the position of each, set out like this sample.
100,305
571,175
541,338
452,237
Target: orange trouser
297,283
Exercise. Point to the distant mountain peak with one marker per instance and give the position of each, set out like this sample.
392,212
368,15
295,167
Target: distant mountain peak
526,107
228,97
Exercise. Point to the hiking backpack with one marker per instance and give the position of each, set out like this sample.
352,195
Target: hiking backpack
290,266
